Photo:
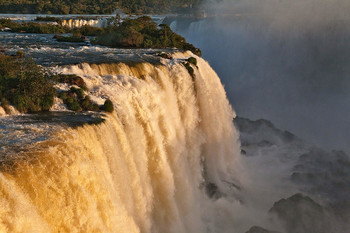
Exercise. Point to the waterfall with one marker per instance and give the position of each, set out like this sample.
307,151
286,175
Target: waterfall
142,170
77,23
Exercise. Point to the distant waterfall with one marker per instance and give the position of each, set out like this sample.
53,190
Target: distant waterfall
77,23
143,170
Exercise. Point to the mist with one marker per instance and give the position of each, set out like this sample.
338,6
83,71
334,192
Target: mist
285,61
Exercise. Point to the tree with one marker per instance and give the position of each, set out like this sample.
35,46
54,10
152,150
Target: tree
25,85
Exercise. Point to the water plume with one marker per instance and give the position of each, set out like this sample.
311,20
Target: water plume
286,61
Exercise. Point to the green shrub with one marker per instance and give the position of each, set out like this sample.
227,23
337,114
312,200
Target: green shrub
63,95
26,85
4,102
80,93
95,107
47,102
87,30
189,69
76,100
108,106
75,106
86,104
32,27
192,60
20,54
48,19
69,100
143,33
73,89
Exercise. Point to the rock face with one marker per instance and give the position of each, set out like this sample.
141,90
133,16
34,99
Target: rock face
278,161
326,174
301,214
256,229
262,133
314,170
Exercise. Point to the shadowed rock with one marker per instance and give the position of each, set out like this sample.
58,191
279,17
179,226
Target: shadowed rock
256,229
301,214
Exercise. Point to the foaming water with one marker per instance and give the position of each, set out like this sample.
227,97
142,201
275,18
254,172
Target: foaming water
143,170
46,51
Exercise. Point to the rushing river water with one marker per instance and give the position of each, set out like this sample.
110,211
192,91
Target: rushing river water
45,50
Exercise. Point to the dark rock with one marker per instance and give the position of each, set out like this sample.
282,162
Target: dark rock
213,190
107,106
262,132
327,174
189,69
301,214
192,60
256,229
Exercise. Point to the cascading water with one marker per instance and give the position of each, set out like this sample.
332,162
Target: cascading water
143,170
77,23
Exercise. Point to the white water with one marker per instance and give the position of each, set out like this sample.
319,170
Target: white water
142,170
77,23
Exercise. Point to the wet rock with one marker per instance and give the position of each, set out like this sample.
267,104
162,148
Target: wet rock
213,190
262,133
256,229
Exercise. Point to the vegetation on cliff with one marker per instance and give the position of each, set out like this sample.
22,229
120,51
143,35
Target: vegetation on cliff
76,100
30,88
143,33
33,27
108,106
25,85
48,19
188,65
48,28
